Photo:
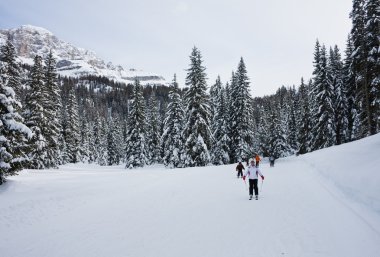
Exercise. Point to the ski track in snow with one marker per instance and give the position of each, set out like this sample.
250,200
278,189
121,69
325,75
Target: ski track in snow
87,210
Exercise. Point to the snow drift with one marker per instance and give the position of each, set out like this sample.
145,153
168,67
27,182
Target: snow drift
320,204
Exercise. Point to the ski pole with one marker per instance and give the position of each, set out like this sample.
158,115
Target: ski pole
262,182
245,183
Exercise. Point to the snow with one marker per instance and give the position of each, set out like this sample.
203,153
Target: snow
320,204
18,126
36,29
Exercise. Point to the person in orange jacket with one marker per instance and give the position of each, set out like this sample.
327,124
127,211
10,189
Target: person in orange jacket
258,159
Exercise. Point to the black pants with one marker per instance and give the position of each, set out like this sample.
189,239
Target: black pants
240,173
253,185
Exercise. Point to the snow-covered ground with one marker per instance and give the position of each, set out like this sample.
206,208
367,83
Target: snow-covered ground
326,203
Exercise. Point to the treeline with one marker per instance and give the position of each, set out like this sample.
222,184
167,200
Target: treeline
341,102
48,120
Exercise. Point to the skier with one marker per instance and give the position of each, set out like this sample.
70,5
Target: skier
271,160
258,159
252,173
239,169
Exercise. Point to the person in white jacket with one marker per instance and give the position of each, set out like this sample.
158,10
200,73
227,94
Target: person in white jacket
253,173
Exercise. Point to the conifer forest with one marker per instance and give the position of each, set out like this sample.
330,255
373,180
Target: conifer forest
47,120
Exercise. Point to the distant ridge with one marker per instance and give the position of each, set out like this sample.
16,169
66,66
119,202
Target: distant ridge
72,61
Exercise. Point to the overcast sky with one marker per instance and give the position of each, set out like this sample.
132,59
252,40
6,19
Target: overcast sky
275,37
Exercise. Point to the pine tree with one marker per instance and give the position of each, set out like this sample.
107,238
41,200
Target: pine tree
95,143
171,140
324,130
84,139
91,143
119,140
52,108
229,113
113,154
313,92
153,129
264,130
214,92
335,71
35,118
349,77
220,149
304,136
11,69
136,149
372,40
359,62
64,156
124,131
292,129
241,124
278,146
72,131
13,132
196,132
102,146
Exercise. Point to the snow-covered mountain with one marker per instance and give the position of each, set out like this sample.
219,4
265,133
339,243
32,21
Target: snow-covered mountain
71,60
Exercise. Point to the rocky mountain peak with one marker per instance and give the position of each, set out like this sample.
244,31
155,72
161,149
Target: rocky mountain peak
71,60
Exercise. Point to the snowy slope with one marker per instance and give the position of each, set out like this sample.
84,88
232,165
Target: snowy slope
72,61
352,171
87,210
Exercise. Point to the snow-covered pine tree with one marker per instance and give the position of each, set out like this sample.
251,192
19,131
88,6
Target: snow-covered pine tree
278,146
11,69
353,123
91,143
214,92
52,108
359,63
95,142
220,149
263,134
72,132
136,148
214,97
241,123
171,139
291,110
124,136
229,112
313,90
372,39
84,139
197,134
13,132
323,130
335,76
35,118
119,139
112,150
102,146
256,106
64,156
304,136
153,130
